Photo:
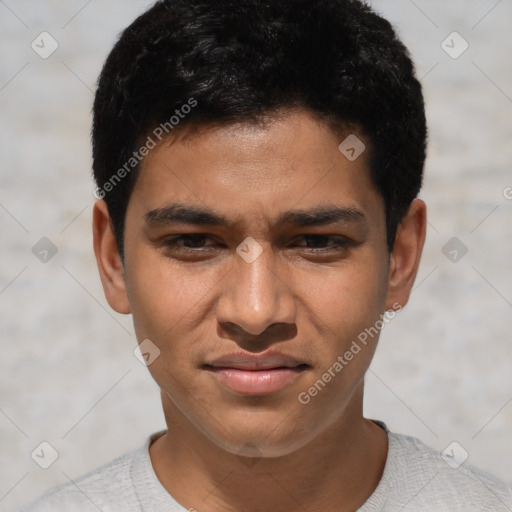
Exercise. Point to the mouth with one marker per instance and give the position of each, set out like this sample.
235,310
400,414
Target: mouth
256,377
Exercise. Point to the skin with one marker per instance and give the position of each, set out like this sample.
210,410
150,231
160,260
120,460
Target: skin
230,452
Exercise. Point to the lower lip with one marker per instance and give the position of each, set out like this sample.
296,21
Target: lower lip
256,382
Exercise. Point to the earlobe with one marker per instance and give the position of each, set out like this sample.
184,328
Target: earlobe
406,255
110,264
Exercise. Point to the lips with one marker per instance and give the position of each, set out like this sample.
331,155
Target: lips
256,374
248,361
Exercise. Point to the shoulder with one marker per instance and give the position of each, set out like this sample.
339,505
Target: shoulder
430,480
97,490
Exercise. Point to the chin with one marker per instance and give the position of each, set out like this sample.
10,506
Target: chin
262,438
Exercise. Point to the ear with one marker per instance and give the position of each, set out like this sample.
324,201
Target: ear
406,255
109,261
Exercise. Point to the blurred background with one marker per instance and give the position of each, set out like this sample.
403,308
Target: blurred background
68,376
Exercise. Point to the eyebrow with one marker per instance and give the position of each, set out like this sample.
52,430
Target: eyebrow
178,213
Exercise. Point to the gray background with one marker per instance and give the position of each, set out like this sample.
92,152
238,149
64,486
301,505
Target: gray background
68,376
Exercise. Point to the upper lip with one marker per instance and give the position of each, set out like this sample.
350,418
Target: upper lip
249,361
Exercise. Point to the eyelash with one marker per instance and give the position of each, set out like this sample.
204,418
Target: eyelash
174,243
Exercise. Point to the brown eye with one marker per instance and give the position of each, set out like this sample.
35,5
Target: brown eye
324,242
194,242
189,241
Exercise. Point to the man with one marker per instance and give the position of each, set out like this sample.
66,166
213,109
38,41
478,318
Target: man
258,165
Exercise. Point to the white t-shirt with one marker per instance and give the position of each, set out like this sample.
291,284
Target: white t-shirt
415,478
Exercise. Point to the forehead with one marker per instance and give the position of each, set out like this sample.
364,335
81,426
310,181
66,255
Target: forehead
292,162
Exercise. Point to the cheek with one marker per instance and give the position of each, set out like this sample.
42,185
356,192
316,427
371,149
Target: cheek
344,307
344,300
169,302
164,303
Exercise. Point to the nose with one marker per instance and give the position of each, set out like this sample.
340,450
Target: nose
255,296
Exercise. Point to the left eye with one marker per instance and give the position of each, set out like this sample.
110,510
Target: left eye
322,242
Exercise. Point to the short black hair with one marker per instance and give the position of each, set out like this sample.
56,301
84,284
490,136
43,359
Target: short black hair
197,63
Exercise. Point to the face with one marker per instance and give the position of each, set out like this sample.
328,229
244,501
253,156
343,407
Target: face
265,246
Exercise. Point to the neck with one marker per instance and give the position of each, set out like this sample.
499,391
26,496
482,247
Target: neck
338,470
